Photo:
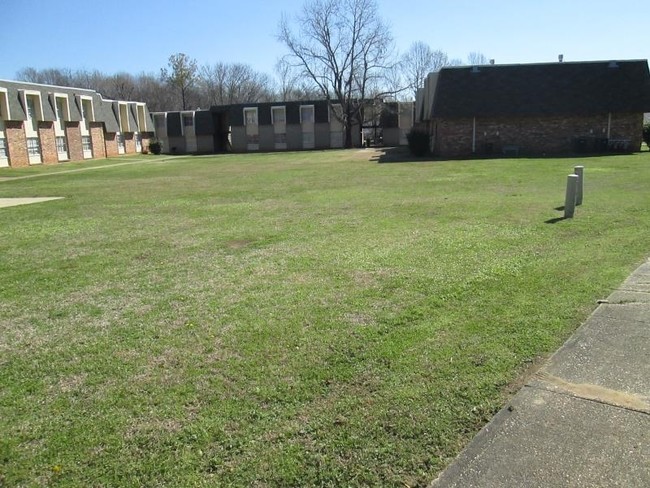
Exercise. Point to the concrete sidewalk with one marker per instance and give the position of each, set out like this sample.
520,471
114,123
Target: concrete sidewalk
584,419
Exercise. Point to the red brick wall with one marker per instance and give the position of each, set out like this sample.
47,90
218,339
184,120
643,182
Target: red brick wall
16,144
97,140
48,143
533,135
75,150
129,143
111,144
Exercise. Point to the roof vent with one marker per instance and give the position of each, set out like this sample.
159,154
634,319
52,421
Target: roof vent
492,62
560,58
612,64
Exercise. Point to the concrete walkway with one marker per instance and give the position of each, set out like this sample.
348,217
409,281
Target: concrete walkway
12,202
584,419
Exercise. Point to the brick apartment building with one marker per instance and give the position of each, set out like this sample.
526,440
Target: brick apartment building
535,109
46,124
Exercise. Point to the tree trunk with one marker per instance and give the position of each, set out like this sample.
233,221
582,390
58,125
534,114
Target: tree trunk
348,134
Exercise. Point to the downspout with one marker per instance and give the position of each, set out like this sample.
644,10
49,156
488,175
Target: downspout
609,124
474,135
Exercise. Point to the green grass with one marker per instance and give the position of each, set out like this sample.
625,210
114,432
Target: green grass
295,319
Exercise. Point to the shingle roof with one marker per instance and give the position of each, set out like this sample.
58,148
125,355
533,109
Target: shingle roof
102,107
543,89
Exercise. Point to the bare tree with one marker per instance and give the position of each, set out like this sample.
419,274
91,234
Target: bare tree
47,76
181,75
342,46
152,90
224,84
476,58
122,86
419,61
291,85
288,79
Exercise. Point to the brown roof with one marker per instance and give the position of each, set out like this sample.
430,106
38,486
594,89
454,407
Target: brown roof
543,89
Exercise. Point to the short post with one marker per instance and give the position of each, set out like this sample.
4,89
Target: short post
570,199
579,170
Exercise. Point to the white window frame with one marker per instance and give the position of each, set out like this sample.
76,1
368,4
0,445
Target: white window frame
121,143
92,108
39,109
4,153
254,110
189,115
61,148
5,114
33,149
86,119
59,125
89,146
87,150
313,113
34,156
31,128
124,125
140,110
284,111
63,96
252,129
61,152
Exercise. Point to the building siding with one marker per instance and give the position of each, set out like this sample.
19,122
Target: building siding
322,136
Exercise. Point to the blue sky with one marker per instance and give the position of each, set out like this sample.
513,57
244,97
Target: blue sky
138,36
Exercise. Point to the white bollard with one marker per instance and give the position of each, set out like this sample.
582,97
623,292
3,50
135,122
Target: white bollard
570,198
579,170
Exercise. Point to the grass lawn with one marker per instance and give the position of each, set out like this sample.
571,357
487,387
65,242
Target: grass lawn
295,319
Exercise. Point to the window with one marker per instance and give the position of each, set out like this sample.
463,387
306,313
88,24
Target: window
86,143
4,106
161,123
252,139
31,107
120,142
62,109
188,120
33,146
124,117
142,125
306,114
278,115
3,148
61,145
33,103
87,109
281,138
250,116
